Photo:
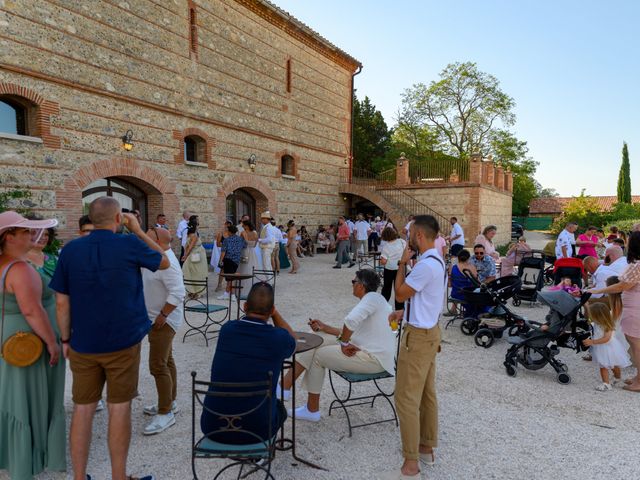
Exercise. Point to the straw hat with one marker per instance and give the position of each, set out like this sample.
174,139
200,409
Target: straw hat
266,214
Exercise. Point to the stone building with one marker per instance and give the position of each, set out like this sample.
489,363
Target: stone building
225,107
232,107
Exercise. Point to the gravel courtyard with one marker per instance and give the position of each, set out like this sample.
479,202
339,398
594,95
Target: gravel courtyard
492,426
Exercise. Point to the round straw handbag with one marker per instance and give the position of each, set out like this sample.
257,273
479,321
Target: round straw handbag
22,348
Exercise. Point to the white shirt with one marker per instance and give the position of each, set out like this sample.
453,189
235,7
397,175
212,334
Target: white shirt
181,232
165,286
240,228
619,266
456,229
268,240
351,226
362,229
427,279
277,234
599,278
565,239
407,227
369,321
392,253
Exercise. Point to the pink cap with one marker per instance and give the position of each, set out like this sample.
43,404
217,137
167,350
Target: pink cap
14,219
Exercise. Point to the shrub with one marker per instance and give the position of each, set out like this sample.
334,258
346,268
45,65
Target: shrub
623,225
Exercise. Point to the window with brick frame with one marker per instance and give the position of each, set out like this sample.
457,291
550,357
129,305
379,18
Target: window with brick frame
18,116
193,31
195,149
288,77
287,165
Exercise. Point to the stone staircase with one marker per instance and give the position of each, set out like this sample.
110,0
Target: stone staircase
381,189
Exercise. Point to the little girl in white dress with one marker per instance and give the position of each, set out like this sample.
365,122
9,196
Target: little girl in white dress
606,348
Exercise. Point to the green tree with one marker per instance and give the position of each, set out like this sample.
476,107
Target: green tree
463,107
624,177
583,210
371,136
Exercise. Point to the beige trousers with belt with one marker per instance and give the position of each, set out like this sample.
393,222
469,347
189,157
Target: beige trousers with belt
416,399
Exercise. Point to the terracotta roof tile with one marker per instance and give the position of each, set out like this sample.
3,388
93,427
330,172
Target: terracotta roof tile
555,205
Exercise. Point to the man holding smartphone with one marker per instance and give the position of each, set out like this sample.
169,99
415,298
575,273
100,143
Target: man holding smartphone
422,291
102,318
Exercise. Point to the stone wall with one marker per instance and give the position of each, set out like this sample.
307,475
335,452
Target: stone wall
103,68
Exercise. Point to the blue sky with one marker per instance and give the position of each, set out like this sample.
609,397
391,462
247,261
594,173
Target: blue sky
573,68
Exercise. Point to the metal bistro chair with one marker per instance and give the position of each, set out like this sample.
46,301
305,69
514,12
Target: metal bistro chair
349,401
268,276
247,458
208,327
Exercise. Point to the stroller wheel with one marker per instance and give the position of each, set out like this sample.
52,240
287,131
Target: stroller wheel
516,302
469,326
563,378
511,370
484,338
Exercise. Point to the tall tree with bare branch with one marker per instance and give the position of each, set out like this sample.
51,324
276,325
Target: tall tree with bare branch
464,107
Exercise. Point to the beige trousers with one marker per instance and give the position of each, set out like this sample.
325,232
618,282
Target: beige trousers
329,356
162,367
416,389
266,257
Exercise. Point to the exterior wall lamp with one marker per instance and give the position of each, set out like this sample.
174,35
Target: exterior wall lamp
126,141
252,162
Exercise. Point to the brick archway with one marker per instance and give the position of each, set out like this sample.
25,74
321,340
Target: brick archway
260,190
43,108
160,192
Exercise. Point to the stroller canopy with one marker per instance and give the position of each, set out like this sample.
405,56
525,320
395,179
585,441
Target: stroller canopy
560,301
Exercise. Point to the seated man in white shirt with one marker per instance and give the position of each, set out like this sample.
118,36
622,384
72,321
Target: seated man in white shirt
615,264
615,259
365,344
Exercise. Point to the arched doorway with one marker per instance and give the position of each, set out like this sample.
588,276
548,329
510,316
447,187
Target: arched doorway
129,195
240,203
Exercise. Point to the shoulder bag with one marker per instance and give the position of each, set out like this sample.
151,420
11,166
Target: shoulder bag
21,349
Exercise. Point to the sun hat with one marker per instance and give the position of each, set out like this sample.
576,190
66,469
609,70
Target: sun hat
266,214
14,219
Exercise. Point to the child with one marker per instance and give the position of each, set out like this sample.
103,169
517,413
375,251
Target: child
606,348
565,284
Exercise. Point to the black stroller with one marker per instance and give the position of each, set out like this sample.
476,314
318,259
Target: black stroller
533,349
492,325
531,273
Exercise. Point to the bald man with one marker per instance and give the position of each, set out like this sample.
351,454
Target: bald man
614,265
164,293
102,318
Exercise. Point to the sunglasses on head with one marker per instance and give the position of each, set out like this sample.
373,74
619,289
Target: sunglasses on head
353,282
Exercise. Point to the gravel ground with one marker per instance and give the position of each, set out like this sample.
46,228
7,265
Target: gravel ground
492,426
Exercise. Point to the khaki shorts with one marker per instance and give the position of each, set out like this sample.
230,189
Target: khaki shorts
118,369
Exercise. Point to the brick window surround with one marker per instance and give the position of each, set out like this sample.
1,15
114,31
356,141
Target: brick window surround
203,146
39,112
288,164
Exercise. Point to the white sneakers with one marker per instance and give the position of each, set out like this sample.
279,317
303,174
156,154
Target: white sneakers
153,409
303,413
604,387
284,395
225,296
159,423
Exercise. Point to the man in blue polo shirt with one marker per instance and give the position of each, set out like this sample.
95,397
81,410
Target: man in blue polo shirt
102,318
247,350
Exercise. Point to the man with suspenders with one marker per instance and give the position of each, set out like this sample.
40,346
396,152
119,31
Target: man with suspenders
415,397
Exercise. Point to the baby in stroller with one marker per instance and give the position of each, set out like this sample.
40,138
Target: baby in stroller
566,284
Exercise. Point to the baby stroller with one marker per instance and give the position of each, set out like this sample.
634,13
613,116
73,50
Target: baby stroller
568,267
532,349
492,325
531,273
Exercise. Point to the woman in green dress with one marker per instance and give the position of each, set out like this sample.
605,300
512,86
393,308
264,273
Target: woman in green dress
32,417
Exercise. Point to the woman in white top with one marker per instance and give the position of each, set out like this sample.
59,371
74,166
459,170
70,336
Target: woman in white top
365,344
391,254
